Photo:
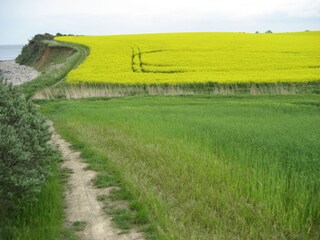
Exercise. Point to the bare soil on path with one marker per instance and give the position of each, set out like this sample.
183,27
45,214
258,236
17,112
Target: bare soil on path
81,199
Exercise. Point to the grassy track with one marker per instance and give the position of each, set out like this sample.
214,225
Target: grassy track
208,167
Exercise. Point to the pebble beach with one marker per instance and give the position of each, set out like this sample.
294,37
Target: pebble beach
15,73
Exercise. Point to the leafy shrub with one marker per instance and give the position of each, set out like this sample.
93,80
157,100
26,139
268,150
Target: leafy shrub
25,153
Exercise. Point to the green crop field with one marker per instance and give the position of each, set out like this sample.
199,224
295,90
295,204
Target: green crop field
185,58
207,167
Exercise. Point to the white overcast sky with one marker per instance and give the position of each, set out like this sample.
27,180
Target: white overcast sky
21,19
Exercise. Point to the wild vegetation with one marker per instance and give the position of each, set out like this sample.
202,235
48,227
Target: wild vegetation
31,204
91,90
204,167
25,152
198,58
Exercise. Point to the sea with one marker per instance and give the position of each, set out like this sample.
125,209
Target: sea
9,52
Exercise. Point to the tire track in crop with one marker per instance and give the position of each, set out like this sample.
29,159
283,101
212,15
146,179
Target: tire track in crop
137,64
136,56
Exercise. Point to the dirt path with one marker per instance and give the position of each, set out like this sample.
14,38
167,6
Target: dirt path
81,199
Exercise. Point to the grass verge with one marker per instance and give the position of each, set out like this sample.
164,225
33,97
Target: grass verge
43,219
90,90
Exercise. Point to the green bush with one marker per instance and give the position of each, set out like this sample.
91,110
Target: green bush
25,153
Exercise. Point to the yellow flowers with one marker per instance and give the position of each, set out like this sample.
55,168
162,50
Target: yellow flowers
182,58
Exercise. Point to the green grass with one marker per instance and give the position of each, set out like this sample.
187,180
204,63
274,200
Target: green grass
205,167
41,220
79,225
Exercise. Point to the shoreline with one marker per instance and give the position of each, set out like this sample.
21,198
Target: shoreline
16,74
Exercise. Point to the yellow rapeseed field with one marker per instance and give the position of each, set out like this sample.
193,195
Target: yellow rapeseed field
180,58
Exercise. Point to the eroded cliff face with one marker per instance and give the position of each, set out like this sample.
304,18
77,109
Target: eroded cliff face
34,49
41,53
52,55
